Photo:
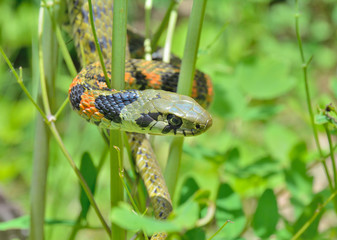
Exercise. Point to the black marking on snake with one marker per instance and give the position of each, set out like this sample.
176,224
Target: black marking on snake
100,78
170,81
111,105
85,15
141,80
92,46
75,96
201,86
145,119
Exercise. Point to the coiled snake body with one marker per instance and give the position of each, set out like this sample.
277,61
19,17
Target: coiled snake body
144,108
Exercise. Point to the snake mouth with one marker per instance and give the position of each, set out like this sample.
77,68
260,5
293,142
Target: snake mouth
200,128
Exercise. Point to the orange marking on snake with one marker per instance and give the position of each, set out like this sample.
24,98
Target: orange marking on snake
75,82
154,79
87,106
210,92
101,85
194,90
129,79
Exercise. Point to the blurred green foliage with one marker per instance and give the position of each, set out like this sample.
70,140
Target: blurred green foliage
258,161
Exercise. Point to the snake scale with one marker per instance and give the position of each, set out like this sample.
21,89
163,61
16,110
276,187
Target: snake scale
148,105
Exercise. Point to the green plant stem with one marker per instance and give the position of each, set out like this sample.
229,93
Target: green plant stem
217,232
24,89
62,45
121,175
41,65
185,86
116,186
59,141
119,29
119,44
65,53
40,163
147,41
313,217
83,183
332,155
305,78
163,24
42,138
173,164
63,105
307,92
39,180
169,35
97,44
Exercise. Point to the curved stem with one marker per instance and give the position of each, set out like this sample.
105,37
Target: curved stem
305,78
312,219
97,44
332,156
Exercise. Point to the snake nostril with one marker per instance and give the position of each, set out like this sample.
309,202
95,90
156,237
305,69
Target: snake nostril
197,126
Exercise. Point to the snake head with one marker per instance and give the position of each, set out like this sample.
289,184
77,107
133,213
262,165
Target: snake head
167,113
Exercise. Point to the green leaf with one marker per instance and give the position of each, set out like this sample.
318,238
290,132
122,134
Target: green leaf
189,187
195,234
307,213
321,119
266,215
263,167
89,173
262,112
185,217
229,207
16,223
267,79
299,183
279,140
229,101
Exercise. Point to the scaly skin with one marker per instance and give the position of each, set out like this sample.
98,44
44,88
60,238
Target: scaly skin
137,110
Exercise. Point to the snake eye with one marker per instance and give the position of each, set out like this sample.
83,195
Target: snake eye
174,121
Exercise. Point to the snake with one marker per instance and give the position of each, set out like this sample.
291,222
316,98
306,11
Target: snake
147,105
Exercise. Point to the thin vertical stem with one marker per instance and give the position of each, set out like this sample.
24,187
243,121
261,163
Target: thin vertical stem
163,24
117,81
305,78
185,86
332,156
147,41
119,44
83,183
48,120
314,216
169,36
42,139
97,44
307,92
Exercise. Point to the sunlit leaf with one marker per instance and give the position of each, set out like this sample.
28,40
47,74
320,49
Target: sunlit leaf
279,140
267,79
184,217
16,223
